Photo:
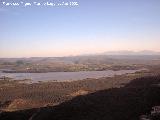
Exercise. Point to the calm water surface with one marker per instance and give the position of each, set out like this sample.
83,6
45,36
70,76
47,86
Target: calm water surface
62,76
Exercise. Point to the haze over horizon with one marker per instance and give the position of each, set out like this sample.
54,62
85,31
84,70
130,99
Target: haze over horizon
92,27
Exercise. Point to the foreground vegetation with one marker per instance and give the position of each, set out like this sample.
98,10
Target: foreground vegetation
122,97
16,95
132,101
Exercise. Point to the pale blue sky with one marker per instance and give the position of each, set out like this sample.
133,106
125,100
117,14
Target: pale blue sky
94,26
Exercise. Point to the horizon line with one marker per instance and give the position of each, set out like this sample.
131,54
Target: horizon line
102,53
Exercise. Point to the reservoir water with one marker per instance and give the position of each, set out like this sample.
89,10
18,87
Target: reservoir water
63,76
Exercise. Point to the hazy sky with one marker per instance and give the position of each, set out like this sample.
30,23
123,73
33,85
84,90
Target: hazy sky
92,27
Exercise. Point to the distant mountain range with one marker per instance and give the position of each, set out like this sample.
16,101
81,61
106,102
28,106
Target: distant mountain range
125,52
86,56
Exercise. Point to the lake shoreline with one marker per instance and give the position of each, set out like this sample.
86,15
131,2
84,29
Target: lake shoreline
64,76
48,93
